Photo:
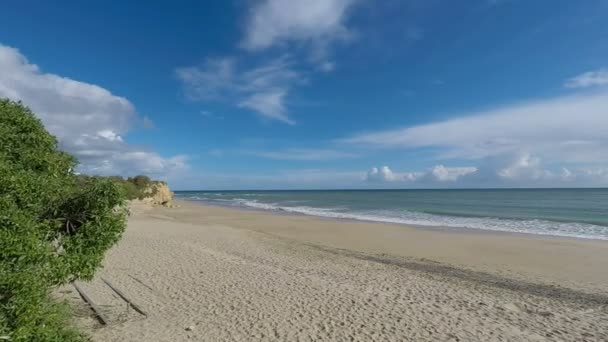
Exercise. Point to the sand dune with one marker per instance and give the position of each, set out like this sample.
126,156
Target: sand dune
213,274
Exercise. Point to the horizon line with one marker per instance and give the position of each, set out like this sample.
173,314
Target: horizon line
403,189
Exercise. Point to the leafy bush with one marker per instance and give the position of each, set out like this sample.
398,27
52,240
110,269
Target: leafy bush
140,181
54,227
138,187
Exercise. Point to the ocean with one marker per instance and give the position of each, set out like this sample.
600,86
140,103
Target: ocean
580,213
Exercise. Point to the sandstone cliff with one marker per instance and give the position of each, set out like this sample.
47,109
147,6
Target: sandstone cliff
162,195
158,193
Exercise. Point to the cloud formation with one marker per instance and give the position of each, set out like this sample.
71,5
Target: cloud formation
88,120
437,174
441,173
588,79
521,170
270,104
571,129
262,89
210,81
382,174
313,22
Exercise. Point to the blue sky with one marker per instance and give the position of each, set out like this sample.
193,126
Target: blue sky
279,94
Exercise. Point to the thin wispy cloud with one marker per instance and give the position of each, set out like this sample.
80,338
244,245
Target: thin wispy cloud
214,79
304,154
588,79
566,129
263,89
88,120
269,103
327,66
207,114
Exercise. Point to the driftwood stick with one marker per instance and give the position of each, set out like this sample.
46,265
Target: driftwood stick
145,285
102,319
133,305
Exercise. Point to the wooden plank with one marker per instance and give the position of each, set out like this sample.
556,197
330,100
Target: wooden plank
118,292
102,319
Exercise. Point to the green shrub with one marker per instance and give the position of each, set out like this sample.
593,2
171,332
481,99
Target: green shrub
140,181
138,187
131,190
54,226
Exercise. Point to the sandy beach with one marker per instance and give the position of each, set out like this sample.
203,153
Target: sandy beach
202,273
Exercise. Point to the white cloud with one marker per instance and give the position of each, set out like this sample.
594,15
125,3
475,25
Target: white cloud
382,174
516,171
315,22
88,120
588,79
566,175
304,154
524,167
571,129
278,73
383,177
109,135
130,162
437,174
528,171
66,106
263,89
270,104
449,174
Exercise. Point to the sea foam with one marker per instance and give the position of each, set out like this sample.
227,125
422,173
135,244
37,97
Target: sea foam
407,217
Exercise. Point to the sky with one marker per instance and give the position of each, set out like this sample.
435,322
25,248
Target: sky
318,94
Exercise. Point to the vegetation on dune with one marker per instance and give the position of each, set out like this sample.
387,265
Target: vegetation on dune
138,187
55,226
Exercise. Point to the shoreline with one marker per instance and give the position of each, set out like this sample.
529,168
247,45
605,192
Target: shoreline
567,261
446,228
213,273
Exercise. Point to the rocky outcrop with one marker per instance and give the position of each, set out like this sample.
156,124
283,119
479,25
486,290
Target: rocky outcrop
162,195
159,194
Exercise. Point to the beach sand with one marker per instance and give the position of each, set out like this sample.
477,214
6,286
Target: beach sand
204,273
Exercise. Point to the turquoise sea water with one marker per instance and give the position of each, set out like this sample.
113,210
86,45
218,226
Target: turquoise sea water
579,213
